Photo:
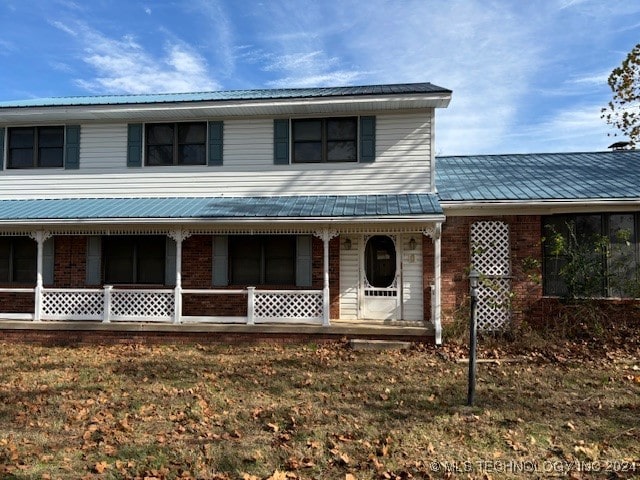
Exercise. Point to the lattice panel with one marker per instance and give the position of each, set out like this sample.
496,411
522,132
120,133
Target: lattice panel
72,304
490,256
494,304
273,306
490,248
150,305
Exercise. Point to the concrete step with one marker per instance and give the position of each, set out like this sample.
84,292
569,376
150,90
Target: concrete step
378,345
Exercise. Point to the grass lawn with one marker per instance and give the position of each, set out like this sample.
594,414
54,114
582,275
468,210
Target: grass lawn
316,411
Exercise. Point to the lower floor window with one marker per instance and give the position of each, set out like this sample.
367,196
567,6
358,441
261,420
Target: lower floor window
134,259
262,260
17,260
591,255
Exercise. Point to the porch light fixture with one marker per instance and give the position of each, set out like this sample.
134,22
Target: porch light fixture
474,281
347,244
412,244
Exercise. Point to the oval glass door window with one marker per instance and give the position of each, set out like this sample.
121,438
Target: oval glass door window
380,261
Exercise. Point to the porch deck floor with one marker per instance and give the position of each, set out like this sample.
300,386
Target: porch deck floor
338,328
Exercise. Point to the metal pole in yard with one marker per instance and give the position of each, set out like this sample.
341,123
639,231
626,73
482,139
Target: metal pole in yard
474,281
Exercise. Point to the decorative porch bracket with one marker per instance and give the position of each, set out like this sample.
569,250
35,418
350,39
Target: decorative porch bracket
325,235
178,236
40,237
435,232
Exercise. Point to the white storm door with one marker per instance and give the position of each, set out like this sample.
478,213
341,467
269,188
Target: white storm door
380,278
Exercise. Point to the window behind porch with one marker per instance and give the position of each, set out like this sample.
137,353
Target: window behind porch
262,260
134,259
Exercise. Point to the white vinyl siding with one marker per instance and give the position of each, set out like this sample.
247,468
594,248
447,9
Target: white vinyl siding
349,277
402,165
103,147
412,283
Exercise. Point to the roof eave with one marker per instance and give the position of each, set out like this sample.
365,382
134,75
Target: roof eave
535,207
252,220
225,108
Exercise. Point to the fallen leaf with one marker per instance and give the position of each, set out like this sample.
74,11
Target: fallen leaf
100,467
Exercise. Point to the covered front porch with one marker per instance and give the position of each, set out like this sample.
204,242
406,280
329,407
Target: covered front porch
312,301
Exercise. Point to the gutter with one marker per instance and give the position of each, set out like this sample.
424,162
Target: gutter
531,207
200,220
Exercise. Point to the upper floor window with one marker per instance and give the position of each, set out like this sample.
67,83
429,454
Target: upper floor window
176,144
17,260
35,147
318,140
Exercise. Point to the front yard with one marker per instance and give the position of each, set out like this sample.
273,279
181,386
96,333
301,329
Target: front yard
316,411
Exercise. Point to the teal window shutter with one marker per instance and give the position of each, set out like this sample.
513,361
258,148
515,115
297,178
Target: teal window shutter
1,148
94,260
281,141
170,263
216,132
72,147
220,260
303,261
48,264
367,139
134,145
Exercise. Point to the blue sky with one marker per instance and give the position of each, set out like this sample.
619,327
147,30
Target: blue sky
527,76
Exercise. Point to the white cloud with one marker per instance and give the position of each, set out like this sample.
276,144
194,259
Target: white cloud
65,28
124,66
299,61
328,79
219,32
6,47
576,129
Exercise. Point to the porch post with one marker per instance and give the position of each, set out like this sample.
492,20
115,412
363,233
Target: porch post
40,237
436,310
326,235
178,236
437,277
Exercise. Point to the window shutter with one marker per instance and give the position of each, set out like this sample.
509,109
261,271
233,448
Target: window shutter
216,132
170,263
2,147
134,145
47,262
281,142
367,139
94,257
303,261
220,260
72,147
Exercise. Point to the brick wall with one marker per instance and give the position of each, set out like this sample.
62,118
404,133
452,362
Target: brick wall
16,302
70,257
525,235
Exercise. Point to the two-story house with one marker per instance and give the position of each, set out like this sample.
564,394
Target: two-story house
287,211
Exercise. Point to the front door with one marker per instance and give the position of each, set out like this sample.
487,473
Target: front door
380,278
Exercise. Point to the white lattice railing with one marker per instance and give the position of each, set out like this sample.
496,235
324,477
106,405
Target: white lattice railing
294,306
66,304
148,305
107,304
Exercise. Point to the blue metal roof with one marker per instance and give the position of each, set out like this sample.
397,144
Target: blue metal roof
230,95
543,176
221,208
